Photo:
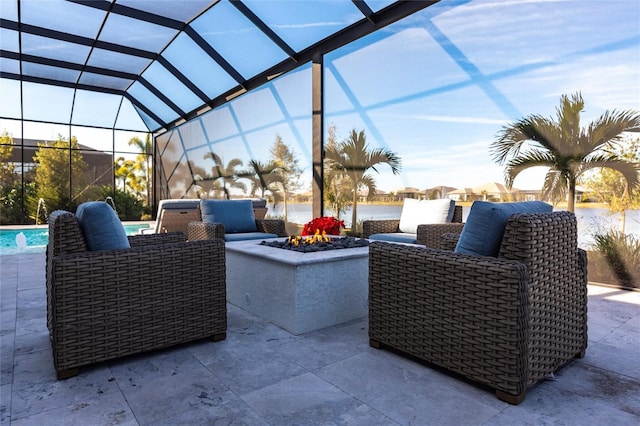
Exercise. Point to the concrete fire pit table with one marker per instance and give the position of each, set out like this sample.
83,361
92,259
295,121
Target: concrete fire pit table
299,292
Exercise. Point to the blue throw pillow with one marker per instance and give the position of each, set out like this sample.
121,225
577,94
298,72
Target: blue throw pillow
101,226
483,231
235,215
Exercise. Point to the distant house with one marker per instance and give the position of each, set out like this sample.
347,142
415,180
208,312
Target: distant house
527,194
438,192
409,192
494,191
461,194
303,197
99,170
383,196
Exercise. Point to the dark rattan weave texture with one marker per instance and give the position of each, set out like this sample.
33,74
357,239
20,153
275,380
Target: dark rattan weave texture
107,304
506,322
428,235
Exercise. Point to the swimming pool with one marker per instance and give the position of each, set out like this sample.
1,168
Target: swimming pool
37,238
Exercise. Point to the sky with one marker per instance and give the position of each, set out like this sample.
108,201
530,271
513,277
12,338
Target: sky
454,76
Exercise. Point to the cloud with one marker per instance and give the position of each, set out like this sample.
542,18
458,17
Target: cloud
457,119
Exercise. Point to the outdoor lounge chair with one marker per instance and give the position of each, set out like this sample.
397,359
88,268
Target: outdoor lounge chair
106,304
233,220
506,322
175,215
428,235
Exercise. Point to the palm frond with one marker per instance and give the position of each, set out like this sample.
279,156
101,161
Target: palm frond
512,140
629,170
368,182
532,158
555,186
213,156
568,118
606,130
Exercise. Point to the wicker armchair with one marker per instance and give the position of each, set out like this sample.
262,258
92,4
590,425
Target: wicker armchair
507,322
103,305
427,235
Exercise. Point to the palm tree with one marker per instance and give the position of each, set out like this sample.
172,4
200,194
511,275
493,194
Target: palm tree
567,149
353,158
262,176
143,160
227,174
125,170
286,172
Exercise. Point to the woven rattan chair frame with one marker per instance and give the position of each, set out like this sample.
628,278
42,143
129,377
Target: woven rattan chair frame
427,235
103,305
506,322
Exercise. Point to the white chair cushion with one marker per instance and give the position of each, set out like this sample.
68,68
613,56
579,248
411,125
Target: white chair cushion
420,212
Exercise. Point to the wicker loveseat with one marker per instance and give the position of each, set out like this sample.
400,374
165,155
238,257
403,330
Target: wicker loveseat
107,304
232,220
506,321
428,235
174,215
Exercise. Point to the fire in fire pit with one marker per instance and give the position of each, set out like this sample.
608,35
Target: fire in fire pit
317,242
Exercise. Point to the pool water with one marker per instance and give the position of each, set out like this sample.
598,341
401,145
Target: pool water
37,238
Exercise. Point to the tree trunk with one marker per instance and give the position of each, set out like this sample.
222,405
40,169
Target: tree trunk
148,173
284,210
571,196
354,210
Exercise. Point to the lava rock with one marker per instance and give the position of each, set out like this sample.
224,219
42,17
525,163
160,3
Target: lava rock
305,247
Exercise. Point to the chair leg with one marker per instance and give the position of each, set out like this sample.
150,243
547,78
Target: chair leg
375,344
65,374
511,399
218,337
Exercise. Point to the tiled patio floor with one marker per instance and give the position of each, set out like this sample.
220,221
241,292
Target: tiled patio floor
262,375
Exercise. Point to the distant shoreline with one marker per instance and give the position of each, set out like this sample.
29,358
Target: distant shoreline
466,204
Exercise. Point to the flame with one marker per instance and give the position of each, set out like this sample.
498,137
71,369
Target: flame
318,237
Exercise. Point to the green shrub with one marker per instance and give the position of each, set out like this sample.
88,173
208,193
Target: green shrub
127,205
621,251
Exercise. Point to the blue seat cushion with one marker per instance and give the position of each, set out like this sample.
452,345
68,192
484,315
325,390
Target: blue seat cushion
483,231
394,237
101,226
235,215
244,236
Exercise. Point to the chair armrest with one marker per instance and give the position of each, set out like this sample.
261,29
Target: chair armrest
430,235
449,241
205,231
384,226
465,313
140,240
272,226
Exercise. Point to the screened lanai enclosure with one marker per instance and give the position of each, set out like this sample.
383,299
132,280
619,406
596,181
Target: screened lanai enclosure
143,100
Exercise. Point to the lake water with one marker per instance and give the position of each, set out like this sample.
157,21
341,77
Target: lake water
590,220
